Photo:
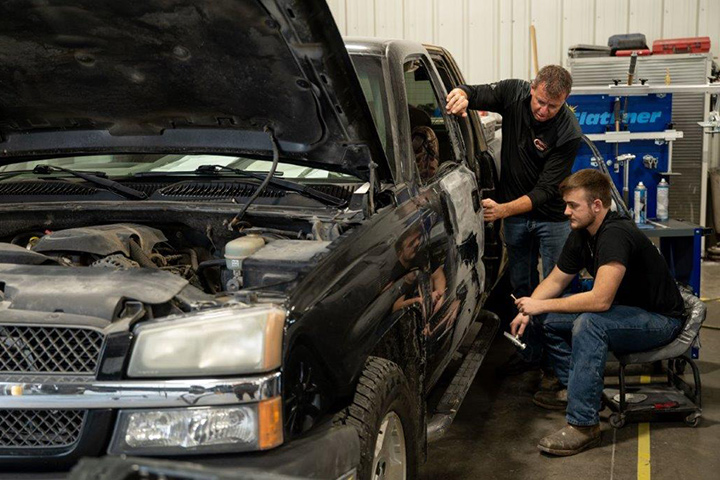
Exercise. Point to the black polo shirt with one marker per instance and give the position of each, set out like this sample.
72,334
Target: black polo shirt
647,283
535,156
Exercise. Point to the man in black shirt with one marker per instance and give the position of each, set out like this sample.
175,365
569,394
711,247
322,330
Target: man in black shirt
540,139
634,305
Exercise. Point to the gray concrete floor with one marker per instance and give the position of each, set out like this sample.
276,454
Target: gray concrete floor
495,433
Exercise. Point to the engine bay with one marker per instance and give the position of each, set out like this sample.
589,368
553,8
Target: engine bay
99,269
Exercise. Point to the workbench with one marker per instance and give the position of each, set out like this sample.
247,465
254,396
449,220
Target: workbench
681,245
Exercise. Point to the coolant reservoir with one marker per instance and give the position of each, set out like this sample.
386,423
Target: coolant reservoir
240,248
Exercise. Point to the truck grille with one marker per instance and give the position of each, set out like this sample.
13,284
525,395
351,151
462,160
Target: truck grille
40,428
31,349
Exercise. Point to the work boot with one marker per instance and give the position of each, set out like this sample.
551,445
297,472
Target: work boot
549,382
556,400
571,440
515,365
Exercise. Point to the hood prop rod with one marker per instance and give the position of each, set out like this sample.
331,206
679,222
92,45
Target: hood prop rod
276,158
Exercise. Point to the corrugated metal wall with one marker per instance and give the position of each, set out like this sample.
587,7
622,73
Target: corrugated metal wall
687,110
491,40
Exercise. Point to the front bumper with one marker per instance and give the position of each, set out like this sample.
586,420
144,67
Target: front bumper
100,401
329,452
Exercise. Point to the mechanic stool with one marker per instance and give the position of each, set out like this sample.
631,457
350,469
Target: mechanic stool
667,400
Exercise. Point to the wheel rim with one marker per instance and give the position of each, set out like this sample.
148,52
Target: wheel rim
389,462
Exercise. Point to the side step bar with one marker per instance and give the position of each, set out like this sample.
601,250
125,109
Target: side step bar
460,384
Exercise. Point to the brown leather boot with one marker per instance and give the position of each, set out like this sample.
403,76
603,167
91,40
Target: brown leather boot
571,440
552,400
549,382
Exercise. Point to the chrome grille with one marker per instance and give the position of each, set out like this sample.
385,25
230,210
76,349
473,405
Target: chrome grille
33,349
40,428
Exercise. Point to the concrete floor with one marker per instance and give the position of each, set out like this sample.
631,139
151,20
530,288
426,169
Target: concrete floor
495,433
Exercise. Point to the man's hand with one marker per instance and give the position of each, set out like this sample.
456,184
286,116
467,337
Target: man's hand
457,102
517,326
493,210
530,306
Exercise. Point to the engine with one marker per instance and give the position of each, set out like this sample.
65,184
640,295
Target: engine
257,258
117,246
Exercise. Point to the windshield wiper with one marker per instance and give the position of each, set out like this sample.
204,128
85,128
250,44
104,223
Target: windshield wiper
277,182
95,177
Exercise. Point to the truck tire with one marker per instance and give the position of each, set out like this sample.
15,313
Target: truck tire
384,416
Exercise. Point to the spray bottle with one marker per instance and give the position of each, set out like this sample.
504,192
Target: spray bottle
640,204
663,201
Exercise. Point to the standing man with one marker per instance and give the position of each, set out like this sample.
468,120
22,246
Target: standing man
634,306
540,138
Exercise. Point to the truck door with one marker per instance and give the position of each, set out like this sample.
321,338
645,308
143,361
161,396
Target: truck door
481,161
455,230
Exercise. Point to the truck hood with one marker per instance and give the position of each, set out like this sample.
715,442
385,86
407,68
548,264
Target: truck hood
195,76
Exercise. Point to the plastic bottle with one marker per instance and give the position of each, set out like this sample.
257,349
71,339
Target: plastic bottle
663,201
640,204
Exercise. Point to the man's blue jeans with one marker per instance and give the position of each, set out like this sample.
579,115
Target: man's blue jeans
526,241
577,345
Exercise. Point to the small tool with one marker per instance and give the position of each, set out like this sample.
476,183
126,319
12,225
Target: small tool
515,341
513,297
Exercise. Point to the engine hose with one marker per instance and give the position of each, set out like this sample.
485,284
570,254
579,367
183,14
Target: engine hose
139,256
215,262
622,208
193,257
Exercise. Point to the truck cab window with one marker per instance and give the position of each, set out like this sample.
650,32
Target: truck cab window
429,130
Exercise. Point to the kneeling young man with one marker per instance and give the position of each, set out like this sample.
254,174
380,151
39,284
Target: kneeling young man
634,305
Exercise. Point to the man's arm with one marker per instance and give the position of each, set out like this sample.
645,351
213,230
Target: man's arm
557,167
550,288
493,97
599,299
495,211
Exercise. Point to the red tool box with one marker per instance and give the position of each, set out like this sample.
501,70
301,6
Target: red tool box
681,45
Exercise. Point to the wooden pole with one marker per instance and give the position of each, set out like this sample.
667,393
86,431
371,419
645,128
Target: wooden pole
533,43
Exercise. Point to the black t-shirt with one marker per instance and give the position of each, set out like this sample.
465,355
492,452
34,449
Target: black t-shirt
535,156
647,283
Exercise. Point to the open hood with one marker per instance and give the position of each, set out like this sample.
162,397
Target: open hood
200,76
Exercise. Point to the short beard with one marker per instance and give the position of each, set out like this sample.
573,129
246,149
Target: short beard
590,221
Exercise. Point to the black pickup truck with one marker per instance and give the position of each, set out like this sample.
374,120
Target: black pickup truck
230,238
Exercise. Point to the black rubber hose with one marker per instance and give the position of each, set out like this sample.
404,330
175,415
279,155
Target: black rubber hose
622,208
273,167
137,254
215,262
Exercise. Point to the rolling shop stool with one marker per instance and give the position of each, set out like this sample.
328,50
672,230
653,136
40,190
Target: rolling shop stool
673,398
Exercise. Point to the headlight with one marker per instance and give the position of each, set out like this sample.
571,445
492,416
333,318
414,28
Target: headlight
199,430
228,341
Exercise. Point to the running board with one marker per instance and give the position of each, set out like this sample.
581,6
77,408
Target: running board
460,384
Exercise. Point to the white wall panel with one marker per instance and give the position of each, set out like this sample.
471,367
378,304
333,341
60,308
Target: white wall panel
505,41
389,19
337,7
360,18
450,22
709,22
611,17
680,17
491,38
419,20
545,16
483,32
646,16
521,39
578,25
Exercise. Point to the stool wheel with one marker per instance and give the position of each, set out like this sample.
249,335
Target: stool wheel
692,420
617,420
